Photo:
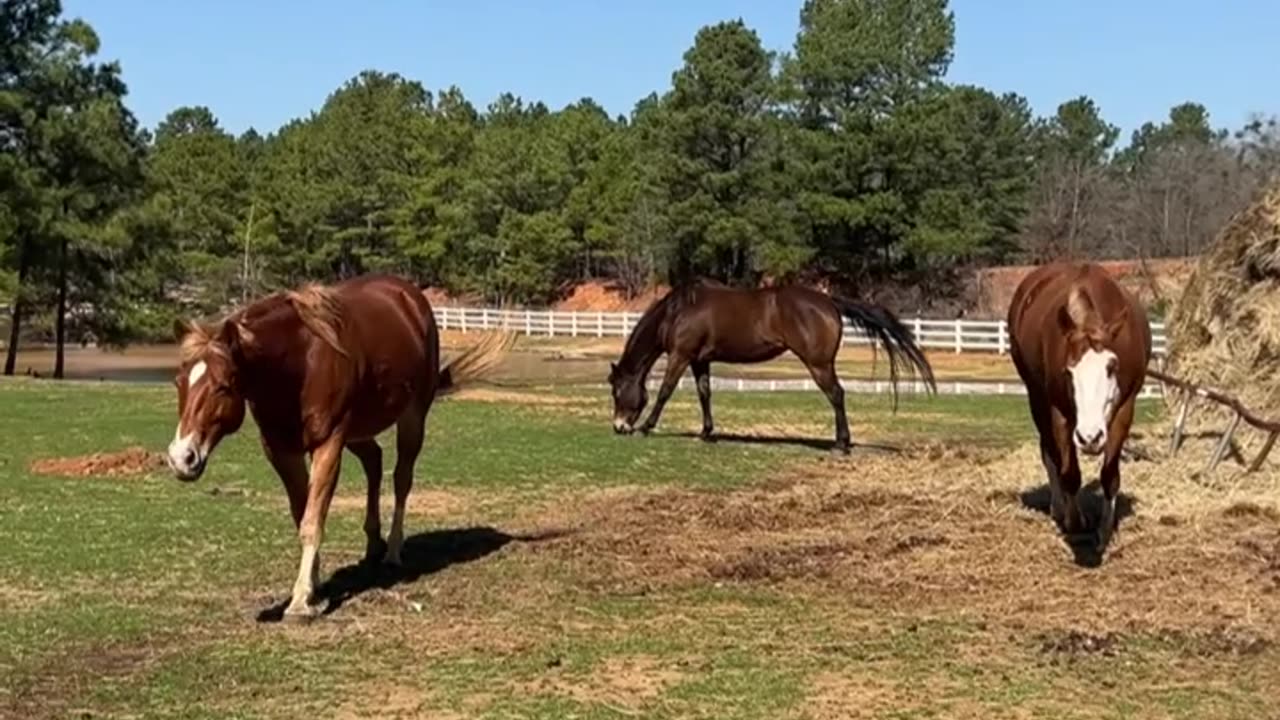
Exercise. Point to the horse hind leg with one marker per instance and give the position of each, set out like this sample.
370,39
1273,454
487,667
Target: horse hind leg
370,456
825,377
409,432
702,375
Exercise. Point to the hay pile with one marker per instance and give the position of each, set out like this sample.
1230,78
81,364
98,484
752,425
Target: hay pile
1225,330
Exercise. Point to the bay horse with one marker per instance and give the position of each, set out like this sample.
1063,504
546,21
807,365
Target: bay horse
704,322
321,368
1081,344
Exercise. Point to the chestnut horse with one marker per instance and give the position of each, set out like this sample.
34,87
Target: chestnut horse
321,369
1081,345
706,322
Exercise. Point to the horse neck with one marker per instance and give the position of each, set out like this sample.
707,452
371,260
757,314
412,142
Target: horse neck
277,361
645,346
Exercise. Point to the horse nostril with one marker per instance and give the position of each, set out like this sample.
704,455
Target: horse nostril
189,458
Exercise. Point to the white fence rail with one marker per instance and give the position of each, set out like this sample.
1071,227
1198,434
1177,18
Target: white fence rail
958,336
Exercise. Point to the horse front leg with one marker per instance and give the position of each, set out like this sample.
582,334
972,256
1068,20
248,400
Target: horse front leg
326,463
1117,434
676,365
702,375
1068,476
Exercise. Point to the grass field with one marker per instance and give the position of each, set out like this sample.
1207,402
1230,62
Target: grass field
555,570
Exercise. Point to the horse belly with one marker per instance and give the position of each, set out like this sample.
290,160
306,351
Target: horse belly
384,397
753,351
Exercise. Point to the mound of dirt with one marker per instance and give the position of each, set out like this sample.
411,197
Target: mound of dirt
1225,330
1152,281
130,461
600,296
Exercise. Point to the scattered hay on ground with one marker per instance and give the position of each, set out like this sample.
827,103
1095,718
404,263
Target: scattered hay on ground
1225,330
512,397
951,530
131,461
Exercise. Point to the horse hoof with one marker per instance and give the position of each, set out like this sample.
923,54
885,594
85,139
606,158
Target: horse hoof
301,616
375,553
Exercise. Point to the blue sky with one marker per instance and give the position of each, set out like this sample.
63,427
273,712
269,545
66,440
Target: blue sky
262,63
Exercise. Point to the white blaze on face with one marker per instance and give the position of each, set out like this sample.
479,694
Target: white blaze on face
197,372
186,455
1096,390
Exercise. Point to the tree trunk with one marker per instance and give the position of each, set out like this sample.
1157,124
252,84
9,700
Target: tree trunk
60,322
15,318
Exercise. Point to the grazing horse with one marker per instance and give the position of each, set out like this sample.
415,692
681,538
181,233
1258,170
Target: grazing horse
1081,345
705,322
321,369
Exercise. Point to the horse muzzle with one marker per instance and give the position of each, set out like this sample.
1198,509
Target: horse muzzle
187,460
622,427
1091,443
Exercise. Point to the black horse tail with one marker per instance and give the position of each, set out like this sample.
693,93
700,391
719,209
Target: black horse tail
878,324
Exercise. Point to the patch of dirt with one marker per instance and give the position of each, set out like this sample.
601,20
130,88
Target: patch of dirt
64,680
422,501
621,683
17,598
386,699
1074,643
131,461
840,695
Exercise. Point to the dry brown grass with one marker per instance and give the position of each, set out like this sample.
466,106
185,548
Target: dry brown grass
621,683
939,530
514,397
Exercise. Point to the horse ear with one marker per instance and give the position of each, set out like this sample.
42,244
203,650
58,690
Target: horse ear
613,371
235,336
1079,307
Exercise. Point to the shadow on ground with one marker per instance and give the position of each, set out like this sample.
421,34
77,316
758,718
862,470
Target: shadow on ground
423,554
766,440
1084,546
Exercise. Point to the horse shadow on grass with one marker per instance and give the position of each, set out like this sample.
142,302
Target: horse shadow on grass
1084,546
422,555
770,440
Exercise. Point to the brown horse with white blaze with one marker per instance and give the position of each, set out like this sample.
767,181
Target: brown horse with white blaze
321,369
1081,344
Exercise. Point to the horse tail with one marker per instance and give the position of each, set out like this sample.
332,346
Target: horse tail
476,361
878,324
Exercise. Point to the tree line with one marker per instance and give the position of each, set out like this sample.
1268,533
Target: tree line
848,158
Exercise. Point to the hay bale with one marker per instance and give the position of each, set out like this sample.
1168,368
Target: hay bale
1225,329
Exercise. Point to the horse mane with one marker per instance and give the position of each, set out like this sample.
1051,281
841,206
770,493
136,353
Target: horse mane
198,341
320,309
